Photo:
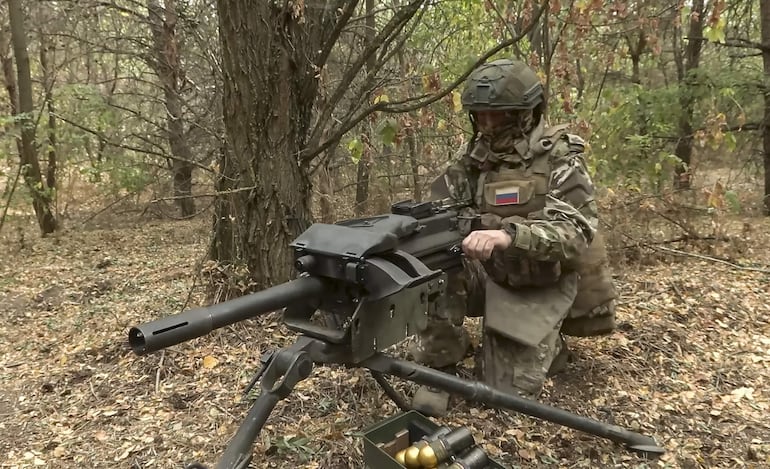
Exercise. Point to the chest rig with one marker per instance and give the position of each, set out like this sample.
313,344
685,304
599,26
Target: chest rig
508,187
515,183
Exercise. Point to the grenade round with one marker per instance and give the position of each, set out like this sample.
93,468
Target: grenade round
400,457
445,447
411,457
423,442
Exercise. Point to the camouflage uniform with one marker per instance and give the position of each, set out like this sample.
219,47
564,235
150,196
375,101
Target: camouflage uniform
552,279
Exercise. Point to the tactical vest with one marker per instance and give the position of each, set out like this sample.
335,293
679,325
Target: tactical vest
518,187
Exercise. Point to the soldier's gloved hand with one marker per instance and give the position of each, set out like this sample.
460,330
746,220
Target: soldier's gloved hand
480,244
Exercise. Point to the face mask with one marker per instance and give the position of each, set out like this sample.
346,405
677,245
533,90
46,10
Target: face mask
502,137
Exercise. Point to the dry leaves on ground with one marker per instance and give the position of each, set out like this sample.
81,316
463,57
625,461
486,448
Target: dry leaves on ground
689,365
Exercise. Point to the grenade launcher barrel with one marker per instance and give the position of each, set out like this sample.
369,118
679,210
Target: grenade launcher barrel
175,329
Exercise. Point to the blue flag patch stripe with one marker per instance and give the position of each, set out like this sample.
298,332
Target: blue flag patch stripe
507,196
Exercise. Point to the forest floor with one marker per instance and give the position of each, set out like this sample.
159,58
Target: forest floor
689,364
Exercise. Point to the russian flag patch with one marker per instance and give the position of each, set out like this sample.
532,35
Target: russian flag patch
507,196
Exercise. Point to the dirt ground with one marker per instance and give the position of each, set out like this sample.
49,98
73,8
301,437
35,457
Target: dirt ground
689,364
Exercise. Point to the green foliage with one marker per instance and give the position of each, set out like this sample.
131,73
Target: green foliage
388,129
117,175
733,202
716,32
356,149
630,144
131,178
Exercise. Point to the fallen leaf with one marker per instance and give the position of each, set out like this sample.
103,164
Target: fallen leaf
209,362
743,392
527,454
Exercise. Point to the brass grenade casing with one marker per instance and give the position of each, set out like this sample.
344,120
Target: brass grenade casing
411,457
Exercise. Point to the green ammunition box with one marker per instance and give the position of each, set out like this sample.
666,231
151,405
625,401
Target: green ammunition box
384,439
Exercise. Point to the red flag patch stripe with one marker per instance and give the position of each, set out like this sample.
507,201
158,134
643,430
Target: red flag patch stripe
507,196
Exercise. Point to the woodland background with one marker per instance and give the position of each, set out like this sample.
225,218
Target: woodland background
157,155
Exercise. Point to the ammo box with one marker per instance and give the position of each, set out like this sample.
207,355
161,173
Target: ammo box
397,433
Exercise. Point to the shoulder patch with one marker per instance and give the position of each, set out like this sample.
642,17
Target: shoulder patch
546,141
555,132
576,143
575,139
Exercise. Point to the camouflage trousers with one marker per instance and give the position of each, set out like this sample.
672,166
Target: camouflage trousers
504,364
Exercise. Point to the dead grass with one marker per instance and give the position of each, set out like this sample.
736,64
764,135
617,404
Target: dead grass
689,365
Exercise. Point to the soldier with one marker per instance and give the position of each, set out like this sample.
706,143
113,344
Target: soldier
535,265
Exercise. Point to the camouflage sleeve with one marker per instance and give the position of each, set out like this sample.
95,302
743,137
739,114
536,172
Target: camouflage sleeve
564,228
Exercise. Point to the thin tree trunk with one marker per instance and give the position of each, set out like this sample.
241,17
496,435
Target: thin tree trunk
411,137
168,67
635,52
364,166
765,14
547,50
687,84
41,195
48,83
9,76
326,190
363,177
414,163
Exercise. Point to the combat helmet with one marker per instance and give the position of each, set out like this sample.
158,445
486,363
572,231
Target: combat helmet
503,84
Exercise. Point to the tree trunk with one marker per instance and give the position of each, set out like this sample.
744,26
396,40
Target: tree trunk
546,55
636,49
363,176
411,137
273,55
9,76
326,191
41,194
168,66
48,83
269,92
364,166
687,83
414,164
765,14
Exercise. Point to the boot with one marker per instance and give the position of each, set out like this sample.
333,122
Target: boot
430,401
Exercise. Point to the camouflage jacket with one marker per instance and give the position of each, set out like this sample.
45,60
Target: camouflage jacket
541,194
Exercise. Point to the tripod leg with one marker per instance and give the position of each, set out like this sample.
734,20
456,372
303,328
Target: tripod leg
288,367
394,395
480,392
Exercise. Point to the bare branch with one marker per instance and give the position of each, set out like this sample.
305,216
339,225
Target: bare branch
743,44
712,259
331,39
130,147
393,27
413,103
